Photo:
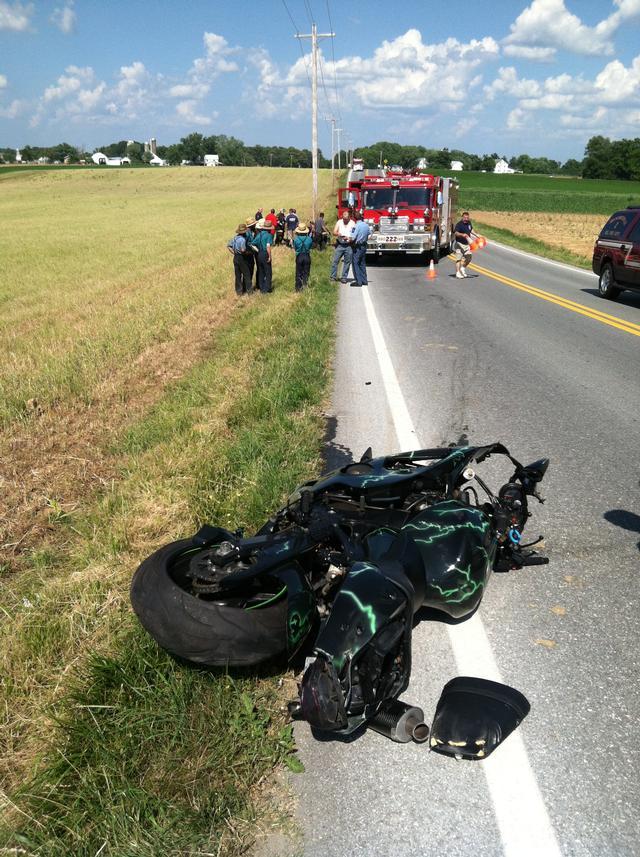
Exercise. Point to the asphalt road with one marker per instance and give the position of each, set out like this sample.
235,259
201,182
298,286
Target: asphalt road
476,361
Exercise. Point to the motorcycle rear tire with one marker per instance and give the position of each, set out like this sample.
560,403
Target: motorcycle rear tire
204,632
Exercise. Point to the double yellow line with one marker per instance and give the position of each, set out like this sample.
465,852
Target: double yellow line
612,320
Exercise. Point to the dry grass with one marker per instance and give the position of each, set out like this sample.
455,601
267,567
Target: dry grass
114,285
574,232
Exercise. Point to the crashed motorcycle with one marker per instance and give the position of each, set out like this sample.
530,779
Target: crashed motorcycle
339,574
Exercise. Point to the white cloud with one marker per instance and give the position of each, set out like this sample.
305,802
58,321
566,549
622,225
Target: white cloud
617,85
401,74
186,112
15,109
528,53
508,83
15,16
65,18
3,81
205,69
464,126
548,25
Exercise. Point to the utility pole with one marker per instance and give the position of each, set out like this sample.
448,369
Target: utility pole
314,36
339,131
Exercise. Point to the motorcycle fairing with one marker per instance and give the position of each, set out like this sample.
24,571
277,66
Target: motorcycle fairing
457,546
366,641
302,612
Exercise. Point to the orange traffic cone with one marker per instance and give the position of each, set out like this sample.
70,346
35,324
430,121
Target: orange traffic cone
431,272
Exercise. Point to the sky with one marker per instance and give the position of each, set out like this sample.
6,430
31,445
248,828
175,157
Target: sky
539,78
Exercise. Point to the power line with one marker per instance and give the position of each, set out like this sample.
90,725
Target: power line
333,59
309,12
295,27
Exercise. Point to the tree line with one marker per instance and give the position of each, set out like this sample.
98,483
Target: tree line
603,158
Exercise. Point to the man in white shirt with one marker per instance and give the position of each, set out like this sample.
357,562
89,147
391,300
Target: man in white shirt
343,232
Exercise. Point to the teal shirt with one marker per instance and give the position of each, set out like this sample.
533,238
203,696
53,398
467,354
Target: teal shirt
302,244
263,237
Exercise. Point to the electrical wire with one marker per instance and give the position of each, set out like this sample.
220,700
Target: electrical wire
297,32
333,59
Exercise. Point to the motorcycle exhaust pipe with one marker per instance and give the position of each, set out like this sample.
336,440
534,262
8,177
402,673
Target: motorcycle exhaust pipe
400,722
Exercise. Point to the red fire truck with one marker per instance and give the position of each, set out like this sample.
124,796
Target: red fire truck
409,212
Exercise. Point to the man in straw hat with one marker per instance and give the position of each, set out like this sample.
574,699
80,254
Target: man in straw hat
302,242
238,247
262,243
250,234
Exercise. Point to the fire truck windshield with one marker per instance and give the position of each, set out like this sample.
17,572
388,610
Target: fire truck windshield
401,197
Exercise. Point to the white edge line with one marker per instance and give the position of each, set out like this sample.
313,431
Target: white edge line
522,818
564,265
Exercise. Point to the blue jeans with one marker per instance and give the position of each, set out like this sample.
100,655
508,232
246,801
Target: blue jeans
359,264
344,252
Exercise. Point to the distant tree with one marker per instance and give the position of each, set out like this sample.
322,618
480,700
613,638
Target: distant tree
146,157
597,161
572,167
174,154
192,146
135,151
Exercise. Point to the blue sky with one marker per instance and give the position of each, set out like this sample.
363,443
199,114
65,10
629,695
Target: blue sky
539,77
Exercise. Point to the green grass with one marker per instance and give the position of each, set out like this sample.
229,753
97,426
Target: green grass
491,192
106,744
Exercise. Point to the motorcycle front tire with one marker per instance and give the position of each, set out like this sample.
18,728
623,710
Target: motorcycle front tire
205,633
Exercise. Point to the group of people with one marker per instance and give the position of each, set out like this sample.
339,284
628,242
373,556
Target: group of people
252,247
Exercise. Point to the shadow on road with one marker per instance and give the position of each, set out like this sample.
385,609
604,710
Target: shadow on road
626,520
627,298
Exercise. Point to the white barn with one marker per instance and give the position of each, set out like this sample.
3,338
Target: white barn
105,160
457,166
502,167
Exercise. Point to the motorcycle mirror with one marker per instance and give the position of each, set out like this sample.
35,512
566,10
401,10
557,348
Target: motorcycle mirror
474,716
367,455
536,471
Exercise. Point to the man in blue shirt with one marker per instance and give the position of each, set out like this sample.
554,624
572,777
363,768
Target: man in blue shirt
462,235
239,248
360,238
302,245
291,222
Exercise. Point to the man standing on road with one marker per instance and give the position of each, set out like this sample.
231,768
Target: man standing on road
360,237
462,235
343,232
238,247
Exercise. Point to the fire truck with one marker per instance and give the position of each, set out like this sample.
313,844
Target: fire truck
410,213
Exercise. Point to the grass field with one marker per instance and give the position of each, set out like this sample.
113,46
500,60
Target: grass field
533,193
140,398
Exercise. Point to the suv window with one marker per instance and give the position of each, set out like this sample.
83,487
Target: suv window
617,224
634,237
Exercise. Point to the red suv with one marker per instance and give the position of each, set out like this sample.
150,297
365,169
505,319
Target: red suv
616,255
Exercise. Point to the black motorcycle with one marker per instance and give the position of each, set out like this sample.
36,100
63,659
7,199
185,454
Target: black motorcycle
339,573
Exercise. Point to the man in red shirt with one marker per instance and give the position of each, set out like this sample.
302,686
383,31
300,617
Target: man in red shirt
272,220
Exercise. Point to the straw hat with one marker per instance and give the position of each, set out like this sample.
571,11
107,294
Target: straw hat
302,229
241,229
250,221
262,224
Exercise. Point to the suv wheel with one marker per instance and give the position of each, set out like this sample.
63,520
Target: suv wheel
607,284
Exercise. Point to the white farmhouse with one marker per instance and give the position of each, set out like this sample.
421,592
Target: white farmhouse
212,160
502,167
457,166
105,160
157,162
18,156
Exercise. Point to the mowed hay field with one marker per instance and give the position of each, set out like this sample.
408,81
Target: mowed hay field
139,398
557,216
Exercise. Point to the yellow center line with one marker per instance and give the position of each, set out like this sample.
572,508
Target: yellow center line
603,317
